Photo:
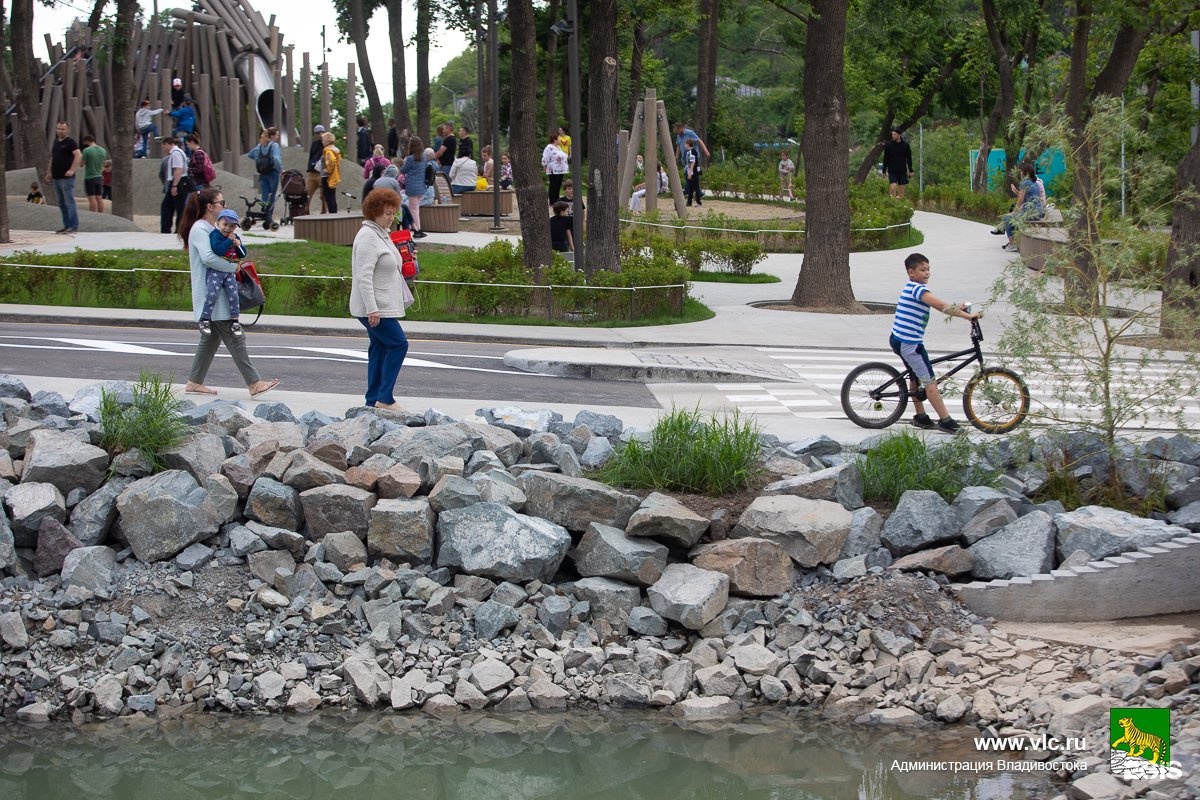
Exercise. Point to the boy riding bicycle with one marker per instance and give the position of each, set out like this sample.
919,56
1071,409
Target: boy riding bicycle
907,341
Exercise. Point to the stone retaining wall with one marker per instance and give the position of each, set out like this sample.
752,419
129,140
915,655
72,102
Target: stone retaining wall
1158,579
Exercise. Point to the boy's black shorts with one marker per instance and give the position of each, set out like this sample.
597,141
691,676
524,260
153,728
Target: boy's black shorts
92,187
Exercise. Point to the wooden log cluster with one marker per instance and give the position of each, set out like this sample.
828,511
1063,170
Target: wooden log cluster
213,51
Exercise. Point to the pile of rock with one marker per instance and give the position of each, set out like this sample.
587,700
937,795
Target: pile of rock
420,561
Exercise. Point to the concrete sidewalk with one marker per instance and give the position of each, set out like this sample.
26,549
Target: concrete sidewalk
683,363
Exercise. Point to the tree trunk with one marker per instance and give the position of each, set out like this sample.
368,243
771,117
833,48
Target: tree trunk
603,225
34,145
123,108
868,162
635,68
358,32
1182,282
97,15
825,272
395,9
552,71
5,87
706,66
1005,99
424,20
523,137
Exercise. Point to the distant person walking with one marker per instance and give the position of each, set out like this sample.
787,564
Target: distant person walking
174,167
94,157
692,170
331,172
682,134
377,159
199,221
268,163
363,145
143,121
413,170
897,163
312,179
185,118
448,151
787,168
556,163
377,297
65,158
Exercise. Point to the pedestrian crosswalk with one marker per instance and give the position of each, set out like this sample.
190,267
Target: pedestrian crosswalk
815,392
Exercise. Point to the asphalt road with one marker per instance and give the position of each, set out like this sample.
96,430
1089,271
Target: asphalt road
334,364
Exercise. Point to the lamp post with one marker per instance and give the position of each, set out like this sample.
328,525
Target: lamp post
570,26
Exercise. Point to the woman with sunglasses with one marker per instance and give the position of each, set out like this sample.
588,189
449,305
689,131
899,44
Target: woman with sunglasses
199,221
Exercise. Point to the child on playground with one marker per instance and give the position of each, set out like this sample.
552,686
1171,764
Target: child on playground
225,242
786,169
106,180
907,341
35,194
561,238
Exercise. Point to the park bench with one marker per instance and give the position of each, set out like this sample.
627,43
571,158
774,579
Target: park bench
340,228
474,204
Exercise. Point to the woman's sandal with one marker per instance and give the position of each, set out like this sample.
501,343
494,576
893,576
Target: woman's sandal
271,384
198,388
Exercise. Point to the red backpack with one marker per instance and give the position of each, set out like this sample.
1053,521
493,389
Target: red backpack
201,168
409,267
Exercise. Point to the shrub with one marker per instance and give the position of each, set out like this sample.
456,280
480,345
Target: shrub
150,424
906,461
960,201
689,452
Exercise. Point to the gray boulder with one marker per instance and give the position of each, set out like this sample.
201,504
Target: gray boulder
973,499
812,532
410,446
54,541
336,508
90,568
226,419
494,489
865,527
1186,517
15,438
950,559
755,567
628,690
60,458
519,421
358,431
667,520
505,444
279,538
164,513
200,455
599,451
921,520
305,471
402,530
606,552
494,541
647,622
1178,447
243,542
278,435
575,503
987,520
8,547
274,412
491,618
841,484
28,504
691,596
1022,547
398,481
194,557
610,600
264,564
605,425
94,516
454,491
12,386
1104,532
344,550
273,503
818,446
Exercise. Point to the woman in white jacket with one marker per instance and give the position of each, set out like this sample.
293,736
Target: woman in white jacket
463,174
376,297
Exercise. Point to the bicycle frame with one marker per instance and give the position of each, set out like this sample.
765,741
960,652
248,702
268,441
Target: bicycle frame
974,351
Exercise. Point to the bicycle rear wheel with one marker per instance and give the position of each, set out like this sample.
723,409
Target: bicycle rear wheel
996,400
873,395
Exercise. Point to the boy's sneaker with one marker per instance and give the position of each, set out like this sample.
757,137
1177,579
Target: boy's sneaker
205,327
924,422
236,327
948,425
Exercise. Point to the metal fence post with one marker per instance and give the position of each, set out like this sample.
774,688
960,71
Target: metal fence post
632,297
550,302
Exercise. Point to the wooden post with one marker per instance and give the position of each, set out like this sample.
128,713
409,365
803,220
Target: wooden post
326,111
208,122
350,153
632,148
306,122
649,105
289,93
672,162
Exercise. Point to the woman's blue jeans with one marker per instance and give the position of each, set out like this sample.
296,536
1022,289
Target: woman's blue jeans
385,357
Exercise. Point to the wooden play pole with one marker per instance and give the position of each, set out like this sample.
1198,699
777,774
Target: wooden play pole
651,159
350,152
672,163
306,123
629,165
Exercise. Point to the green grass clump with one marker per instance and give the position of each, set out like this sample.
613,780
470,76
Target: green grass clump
690,452
151,423
706,276
906,461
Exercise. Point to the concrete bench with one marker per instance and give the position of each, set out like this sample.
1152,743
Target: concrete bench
440,218
1038,242
340,228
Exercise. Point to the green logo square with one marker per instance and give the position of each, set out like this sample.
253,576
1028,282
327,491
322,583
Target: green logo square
1141,732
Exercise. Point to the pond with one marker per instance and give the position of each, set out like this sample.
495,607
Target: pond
581,755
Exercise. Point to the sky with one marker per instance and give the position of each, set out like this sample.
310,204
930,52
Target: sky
300,23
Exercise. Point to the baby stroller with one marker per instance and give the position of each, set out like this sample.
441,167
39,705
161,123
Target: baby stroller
295,193
256,211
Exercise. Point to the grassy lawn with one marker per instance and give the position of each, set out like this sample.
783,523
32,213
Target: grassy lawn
704,276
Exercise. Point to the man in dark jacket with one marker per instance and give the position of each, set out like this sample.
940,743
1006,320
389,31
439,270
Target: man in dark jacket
365,145
897,163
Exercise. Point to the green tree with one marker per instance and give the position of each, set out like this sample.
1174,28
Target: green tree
603,223
523,131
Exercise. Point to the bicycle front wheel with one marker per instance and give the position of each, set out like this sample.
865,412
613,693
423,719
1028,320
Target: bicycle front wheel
996,400
873,395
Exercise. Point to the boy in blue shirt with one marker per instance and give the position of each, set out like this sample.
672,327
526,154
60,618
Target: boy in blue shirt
907,341
227,244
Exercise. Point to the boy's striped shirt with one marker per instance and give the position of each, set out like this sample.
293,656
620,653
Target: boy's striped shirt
911,314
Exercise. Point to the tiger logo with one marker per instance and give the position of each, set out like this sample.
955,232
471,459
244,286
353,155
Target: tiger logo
1138,741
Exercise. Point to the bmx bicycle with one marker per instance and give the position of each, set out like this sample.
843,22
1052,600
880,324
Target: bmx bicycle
995,399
